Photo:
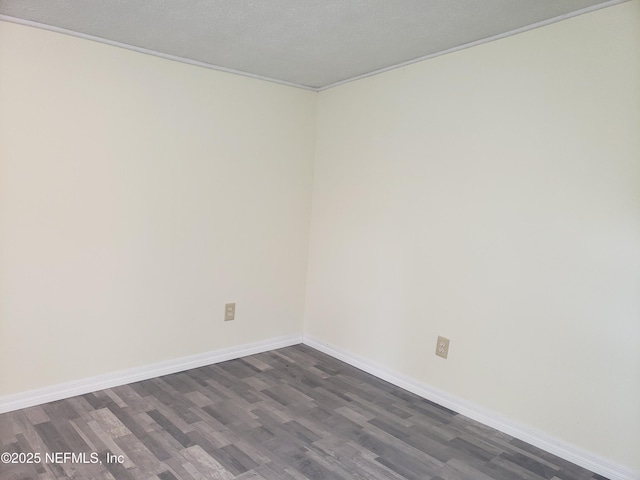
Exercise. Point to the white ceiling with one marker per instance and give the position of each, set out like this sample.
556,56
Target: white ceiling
308,43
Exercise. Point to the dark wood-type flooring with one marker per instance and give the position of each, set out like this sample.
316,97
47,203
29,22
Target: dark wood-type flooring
293,413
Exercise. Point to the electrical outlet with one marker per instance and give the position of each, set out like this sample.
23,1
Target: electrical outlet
229,311
442,347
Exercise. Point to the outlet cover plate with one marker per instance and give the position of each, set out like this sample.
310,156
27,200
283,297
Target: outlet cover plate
229,311
442,347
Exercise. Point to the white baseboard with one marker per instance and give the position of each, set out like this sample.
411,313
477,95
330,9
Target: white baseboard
569,452
61,391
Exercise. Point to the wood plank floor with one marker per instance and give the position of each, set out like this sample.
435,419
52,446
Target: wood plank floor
287,414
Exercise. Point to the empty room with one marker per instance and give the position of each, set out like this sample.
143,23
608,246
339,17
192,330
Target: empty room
280,240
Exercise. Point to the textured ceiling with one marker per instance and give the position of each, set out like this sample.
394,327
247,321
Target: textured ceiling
308,43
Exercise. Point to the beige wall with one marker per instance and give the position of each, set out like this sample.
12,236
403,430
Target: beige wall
137,196
493,196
